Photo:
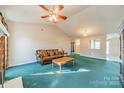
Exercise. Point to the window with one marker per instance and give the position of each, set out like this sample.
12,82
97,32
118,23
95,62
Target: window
94,44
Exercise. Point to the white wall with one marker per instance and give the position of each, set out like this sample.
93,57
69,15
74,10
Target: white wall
96,53
26,38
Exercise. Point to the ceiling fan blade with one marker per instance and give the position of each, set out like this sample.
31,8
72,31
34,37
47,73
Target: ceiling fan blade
62,17
59,7
45,16
44,7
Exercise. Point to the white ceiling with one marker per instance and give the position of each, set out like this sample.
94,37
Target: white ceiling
32,13
96,20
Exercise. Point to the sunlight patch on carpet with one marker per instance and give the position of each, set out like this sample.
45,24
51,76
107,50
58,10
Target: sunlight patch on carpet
63,71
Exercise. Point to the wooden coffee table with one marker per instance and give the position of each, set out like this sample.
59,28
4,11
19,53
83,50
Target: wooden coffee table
61,61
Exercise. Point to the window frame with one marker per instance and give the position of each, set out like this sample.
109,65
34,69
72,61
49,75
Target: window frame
92,44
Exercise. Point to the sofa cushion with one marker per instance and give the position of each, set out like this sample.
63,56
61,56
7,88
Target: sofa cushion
57,56
43,53
56,52
61,53
48,58
50,52
51,57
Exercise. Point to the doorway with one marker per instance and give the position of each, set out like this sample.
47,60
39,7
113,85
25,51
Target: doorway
113,47
77,46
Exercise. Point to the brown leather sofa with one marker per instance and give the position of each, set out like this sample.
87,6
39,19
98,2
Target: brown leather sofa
46,56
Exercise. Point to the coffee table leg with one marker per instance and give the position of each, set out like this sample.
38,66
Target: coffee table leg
60,68
52,65
73,62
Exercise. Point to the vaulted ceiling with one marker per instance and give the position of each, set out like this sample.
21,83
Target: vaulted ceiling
31,13
96,20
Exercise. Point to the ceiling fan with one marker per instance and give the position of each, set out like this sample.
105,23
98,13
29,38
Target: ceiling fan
53,13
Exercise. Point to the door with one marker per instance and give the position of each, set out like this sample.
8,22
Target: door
3,53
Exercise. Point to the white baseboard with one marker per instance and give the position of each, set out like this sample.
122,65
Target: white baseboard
111,59
21,64
93,57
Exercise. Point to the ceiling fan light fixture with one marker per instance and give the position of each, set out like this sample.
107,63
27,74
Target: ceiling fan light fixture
50,18
53,14
53,18
85,33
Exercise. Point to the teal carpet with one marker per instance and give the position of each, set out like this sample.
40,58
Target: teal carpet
86,73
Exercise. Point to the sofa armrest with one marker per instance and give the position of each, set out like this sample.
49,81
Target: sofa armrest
38,56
